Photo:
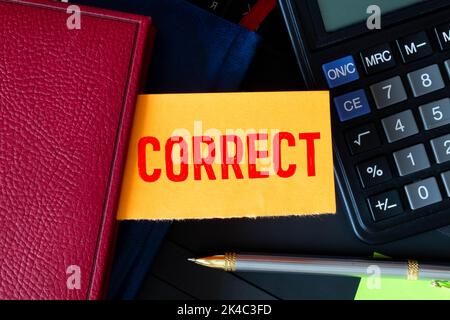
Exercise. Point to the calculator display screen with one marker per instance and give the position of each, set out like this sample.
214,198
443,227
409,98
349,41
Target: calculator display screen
338,14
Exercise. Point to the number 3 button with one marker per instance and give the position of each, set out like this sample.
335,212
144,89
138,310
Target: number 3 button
399,126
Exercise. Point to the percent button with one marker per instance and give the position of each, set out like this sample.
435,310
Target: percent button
374,172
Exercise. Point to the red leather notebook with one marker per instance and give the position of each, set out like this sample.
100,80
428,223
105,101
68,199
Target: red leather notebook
66,105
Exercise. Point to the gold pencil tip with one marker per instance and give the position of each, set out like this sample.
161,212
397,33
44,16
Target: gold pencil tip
217,262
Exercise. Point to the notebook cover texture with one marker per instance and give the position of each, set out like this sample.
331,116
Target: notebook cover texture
67,97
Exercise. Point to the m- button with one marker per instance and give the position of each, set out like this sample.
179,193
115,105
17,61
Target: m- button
378,59
414,47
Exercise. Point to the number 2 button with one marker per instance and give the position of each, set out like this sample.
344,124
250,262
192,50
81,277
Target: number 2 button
399,126
352,105
441,148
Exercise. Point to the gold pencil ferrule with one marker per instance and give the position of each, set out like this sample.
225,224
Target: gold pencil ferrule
413,270
230,262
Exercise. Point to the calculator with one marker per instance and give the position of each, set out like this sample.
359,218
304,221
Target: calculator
390,92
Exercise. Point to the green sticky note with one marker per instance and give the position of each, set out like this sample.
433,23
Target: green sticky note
398,289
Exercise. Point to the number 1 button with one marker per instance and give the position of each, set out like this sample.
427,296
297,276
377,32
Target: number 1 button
385,205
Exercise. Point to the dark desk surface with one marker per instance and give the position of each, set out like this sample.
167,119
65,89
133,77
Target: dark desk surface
172,277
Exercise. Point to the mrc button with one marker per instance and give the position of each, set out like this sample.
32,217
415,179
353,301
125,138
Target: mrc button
340,71
352,105
377,59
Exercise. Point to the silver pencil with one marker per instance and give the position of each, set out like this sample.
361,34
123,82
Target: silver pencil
408,269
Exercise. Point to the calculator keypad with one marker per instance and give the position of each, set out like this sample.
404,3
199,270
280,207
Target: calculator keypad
397,153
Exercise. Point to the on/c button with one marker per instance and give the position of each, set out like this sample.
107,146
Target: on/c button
352,105
340,71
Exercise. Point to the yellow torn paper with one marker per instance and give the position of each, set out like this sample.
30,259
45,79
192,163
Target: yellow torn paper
223,155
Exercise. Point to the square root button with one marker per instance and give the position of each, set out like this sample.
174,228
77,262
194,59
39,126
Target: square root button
352,105
374,172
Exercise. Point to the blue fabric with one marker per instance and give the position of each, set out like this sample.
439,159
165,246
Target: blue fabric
194,51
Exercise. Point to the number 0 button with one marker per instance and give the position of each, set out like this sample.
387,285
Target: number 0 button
399,126
423,193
